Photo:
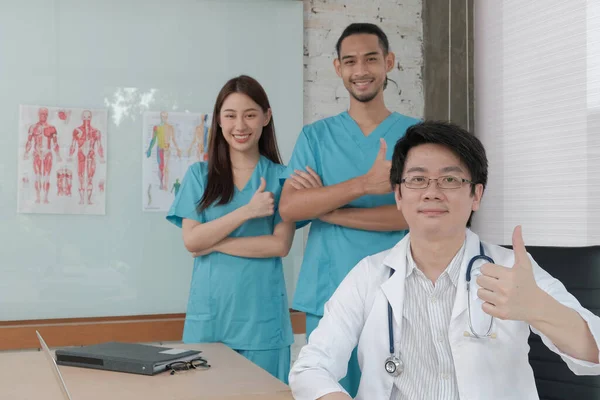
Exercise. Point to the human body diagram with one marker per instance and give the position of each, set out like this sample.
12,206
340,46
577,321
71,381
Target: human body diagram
87,142
200,141
163,135
172,141
42,141
56,146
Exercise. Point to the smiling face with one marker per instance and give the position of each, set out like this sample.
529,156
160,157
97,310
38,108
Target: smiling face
363,66
433,212
242,121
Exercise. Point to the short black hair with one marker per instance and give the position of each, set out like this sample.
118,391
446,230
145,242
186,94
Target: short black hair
461,142
364,28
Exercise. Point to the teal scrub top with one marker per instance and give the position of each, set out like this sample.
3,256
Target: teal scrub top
337,150
241,302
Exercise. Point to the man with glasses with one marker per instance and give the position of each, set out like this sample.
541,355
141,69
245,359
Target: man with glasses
424,328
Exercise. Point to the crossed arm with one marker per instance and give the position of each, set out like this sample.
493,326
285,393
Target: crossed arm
304,197
265,246
201,239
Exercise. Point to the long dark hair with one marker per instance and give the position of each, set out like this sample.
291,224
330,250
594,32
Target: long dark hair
220,174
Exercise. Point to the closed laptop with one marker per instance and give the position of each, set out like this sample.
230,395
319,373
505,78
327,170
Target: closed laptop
124,357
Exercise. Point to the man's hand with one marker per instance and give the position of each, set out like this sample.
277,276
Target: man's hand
511,293
305,180
262,203
377,180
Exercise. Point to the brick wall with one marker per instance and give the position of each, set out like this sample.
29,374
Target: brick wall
324,21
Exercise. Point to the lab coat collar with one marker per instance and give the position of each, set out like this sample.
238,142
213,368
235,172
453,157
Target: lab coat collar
396,259
393,288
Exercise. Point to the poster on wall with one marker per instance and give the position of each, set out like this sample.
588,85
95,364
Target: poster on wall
172,141
62,160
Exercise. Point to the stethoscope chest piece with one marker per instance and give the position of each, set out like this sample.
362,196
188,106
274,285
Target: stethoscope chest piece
394,366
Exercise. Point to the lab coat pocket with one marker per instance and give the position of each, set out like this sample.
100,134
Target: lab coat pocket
506,350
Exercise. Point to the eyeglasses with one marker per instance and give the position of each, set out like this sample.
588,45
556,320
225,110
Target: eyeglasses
196,363
443,182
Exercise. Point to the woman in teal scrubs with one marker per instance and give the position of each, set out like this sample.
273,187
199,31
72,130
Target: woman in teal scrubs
228,211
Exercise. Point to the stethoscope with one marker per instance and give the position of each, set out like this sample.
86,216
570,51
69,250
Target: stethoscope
394,365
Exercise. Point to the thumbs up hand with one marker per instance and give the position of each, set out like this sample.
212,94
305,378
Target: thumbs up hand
262,204
377,180
510,293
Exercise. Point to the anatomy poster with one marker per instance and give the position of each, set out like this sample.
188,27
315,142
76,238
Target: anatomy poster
172,141
62,160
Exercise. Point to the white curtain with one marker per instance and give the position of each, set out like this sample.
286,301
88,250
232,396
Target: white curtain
537,111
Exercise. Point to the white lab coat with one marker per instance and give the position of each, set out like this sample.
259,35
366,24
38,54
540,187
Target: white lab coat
358,313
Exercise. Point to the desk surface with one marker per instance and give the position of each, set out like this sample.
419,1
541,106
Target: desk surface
29,375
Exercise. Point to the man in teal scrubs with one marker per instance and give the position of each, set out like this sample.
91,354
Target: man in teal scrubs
338,177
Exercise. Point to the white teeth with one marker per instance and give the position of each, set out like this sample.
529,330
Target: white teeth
240,136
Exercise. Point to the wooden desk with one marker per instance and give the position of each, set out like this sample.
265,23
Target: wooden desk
29,375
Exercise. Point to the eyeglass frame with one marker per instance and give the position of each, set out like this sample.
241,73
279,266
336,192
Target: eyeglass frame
462,182
187,365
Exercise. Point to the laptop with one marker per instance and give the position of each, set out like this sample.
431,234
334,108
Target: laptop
133,358
57,374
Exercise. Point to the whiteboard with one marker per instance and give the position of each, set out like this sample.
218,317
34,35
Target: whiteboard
128,57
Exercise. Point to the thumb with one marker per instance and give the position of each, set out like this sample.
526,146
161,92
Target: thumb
382,149
521,257
263,185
